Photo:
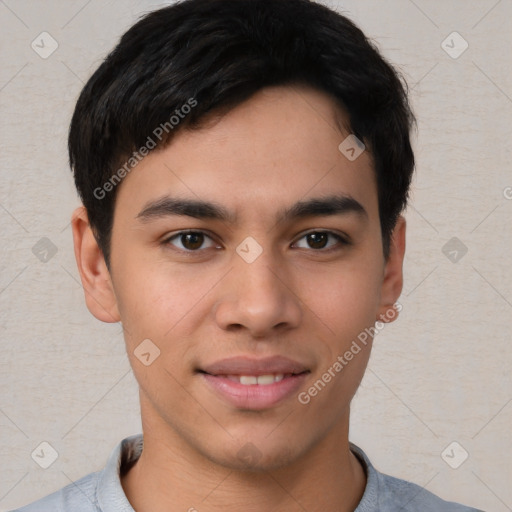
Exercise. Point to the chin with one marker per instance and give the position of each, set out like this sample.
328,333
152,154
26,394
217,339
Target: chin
253,457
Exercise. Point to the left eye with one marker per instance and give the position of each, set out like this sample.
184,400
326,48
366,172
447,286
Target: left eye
320,240
191,241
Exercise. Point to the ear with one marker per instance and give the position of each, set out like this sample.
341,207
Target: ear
393,275
99,292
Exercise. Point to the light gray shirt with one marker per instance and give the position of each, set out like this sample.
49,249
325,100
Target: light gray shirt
102,491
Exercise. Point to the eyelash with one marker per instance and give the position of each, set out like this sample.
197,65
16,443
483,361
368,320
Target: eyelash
342,241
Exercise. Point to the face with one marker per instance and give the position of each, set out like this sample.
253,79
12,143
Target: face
249,253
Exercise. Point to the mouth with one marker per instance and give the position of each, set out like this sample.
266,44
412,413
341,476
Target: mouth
254,384
261,380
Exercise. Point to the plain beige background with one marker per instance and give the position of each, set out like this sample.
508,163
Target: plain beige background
441,374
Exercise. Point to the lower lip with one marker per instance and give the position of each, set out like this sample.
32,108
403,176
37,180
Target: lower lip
254,396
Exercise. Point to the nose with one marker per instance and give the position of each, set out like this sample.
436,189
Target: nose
258,297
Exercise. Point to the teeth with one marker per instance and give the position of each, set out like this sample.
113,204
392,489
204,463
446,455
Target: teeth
262,380
246,380
265,379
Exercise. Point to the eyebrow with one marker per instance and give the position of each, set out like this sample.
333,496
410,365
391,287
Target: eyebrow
315,207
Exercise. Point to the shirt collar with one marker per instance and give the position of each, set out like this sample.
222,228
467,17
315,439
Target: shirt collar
110,493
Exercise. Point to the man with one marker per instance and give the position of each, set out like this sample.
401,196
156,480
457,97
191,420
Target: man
243,165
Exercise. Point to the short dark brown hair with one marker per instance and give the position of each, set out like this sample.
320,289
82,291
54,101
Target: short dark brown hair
218,53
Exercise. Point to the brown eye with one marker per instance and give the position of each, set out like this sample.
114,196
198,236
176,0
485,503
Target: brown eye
191,241
321,240
317,240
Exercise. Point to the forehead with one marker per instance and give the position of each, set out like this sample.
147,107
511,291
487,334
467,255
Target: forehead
278,147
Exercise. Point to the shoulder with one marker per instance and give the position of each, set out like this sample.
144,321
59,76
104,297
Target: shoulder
95,492
410,497
79,496
385,493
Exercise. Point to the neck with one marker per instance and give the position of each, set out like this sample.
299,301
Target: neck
171,476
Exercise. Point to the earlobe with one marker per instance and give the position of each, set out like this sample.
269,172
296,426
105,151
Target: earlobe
393,275
96,281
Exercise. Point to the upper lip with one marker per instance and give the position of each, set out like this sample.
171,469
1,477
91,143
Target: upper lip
252,366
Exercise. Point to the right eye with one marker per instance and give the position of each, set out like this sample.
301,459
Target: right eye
190,241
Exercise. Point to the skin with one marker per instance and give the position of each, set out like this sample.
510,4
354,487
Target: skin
307,303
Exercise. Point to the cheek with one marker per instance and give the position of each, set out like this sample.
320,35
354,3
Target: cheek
344,297
165,303
156,299
154,313
344,304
